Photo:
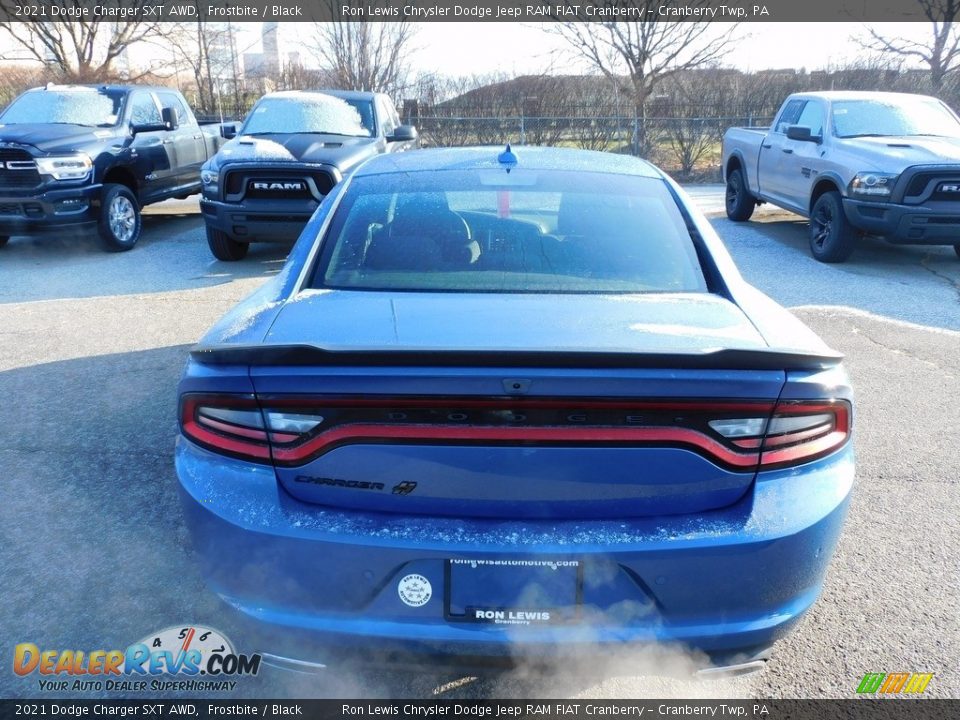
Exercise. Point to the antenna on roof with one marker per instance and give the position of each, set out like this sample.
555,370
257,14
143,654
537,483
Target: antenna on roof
507,157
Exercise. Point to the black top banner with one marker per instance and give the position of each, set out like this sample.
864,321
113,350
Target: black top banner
479,10
568,709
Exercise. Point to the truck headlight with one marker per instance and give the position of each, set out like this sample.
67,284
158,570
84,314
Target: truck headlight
65,167
209,177
873,185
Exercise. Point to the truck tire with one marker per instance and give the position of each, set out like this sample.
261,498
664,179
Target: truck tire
832,237
740,203
120,221
956,248
225,247
4,239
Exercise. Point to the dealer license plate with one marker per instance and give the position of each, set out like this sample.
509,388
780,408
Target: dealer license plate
513,592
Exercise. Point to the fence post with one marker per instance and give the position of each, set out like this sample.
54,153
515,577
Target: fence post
523,130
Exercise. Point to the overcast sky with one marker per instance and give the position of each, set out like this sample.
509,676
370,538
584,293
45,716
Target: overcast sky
518,48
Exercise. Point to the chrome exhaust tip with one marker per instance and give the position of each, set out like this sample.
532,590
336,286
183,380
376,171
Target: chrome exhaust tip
732,670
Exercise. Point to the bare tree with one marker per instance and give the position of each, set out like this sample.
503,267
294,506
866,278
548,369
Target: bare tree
294,76
940,52
646,51
83,48
15,79
453,111
364,55
695,125
206,49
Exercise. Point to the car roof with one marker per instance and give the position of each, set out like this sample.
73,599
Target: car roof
342,94
528,157
102,86
840,95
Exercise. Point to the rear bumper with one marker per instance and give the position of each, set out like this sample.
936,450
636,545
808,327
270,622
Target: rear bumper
933,223
304,578
72,209
258,221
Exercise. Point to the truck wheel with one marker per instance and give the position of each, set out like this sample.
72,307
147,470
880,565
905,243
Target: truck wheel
956,248
740,203
832,237
225,247
120,221
5,238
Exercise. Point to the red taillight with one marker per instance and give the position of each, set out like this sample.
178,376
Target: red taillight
228,424
235,425
800,431
740,435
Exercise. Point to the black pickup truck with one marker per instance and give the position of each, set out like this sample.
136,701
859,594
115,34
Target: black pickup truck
77,157
294,146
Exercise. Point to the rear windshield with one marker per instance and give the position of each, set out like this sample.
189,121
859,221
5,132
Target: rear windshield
77,106
517,232
313,113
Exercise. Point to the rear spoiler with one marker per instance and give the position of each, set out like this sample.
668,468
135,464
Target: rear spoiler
277,355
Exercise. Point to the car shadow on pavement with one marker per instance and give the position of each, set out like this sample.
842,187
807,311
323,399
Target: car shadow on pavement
172,255
95,553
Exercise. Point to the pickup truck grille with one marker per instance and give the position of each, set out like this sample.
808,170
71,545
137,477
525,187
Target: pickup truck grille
267,184
938,186
18,169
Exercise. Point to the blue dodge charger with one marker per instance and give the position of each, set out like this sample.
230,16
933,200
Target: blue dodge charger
517,402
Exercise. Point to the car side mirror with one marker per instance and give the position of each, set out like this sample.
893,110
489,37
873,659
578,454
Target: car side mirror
403,133
802,133
228,131
169,116
146,127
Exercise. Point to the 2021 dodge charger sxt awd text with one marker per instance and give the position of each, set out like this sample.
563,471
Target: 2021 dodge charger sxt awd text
513,403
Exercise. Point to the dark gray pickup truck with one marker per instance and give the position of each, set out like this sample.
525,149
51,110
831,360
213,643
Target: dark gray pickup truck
76,157
294,146
885,164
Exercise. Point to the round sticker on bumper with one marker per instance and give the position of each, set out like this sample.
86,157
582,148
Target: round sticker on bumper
415,590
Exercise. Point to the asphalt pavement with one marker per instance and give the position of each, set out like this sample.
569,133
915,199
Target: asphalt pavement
94,553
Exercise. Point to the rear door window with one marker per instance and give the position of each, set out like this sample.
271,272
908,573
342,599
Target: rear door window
526,231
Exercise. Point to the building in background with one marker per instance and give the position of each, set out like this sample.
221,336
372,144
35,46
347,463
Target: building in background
264,64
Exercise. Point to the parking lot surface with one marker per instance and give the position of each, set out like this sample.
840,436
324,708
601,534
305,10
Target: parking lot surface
95,554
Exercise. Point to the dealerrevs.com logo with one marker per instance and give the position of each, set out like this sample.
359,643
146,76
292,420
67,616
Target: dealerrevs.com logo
200,658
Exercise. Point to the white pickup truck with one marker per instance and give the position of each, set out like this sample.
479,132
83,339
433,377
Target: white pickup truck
885,164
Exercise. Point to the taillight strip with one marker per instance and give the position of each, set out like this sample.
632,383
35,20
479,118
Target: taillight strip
473,434
737,453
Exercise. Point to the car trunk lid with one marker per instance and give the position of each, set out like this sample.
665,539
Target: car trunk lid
531,406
